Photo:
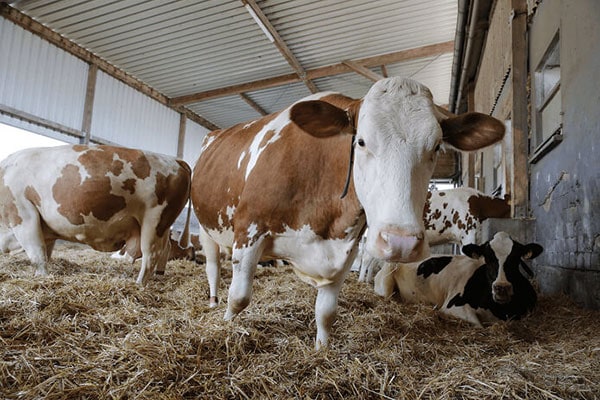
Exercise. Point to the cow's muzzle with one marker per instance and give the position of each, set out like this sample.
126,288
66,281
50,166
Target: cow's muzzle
398,245
502,292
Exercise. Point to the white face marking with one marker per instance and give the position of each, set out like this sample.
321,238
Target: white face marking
501,244
400,132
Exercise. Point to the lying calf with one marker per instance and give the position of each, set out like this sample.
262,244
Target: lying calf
483,286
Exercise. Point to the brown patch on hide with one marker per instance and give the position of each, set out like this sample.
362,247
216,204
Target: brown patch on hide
77,198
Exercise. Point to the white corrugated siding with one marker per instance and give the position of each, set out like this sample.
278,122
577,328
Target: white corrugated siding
176,46
194,135
225,111
40,79
275,99
181,47
351,29
125,116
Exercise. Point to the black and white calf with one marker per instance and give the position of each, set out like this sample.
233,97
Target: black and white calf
484,286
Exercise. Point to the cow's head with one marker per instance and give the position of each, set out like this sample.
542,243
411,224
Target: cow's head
503,257
399,132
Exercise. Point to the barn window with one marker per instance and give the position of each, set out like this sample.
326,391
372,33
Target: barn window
548,104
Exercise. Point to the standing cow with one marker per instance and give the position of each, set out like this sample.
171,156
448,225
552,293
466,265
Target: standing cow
103,196
450,216
272,188
486,285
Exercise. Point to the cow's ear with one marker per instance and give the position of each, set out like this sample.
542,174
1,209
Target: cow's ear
472,250
471,131
321,119
531,250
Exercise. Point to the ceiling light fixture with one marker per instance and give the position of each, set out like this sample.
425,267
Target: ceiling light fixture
260,23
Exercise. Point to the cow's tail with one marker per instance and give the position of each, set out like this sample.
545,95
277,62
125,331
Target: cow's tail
184,239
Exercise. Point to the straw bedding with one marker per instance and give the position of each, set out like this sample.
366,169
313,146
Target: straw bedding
88,332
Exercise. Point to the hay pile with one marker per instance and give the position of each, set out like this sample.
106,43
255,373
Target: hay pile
89,332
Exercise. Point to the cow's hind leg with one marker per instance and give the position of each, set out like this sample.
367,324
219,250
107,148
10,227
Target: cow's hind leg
155,252
213,266
30,236
243,262
49,248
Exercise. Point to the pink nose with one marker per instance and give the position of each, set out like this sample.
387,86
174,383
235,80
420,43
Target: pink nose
400,246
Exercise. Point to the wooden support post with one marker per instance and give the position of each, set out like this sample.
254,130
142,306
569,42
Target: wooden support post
470,157
181,138
520,127
88,106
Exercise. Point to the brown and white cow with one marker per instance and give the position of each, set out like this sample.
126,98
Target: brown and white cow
450,216
102,196
179,249
485,285
455,215
272,188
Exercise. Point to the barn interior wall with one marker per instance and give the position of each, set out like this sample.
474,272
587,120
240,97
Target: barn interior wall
565,183
564,191
43,90
194,135
125,116
39,79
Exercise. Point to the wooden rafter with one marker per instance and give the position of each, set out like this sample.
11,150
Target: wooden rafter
279,43
330,70
384,71
364,71
253,104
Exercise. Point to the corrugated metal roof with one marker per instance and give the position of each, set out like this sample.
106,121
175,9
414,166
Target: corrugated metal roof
185,47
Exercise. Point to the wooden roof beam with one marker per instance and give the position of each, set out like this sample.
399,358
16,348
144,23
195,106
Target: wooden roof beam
253,104
364,71
269,30
321,72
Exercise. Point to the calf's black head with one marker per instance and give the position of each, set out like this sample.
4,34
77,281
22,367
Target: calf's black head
503,256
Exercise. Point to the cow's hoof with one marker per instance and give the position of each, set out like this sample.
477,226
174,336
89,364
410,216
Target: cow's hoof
229,315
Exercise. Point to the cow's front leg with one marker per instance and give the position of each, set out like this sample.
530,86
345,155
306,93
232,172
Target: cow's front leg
325,312
464,312
243,262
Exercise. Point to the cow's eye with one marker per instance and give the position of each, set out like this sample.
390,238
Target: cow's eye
361,142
